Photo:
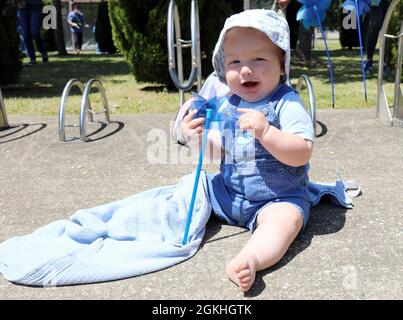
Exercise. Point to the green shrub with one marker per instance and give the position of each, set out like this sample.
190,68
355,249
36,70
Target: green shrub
10,64
103,29
140,32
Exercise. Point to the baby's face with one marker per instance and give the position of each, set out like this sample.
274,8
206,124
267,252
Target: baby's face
253,64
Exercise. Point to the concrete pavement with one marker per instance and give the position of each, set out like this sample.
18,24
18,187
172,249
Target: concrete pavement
354,254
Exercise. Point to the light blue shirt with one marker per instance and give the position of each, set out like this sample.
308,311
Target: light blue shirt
78,18
294,118
292,115
290,109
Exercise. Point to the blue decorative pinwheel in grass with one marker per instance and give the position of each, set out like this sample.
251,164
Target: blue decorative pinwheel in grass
363,5
312,13
360,7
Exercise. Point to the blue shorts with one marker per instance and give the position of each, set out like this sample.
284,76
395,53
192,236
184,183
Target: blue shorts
241,212
302,205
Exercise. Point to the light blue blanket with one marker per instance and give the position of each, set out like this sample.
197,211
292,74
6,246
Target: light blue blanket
126,238
133,236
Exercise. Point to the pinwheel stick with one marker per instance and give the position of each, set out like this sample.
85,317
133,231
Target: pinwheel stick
209,116
357,12
327,52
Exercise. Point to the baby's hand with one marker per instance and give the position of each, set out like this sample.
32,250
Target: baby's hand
192,129
253,121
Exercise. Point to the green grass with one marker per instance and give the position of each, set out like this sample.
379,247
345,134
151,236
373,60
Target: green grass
40,87
349,88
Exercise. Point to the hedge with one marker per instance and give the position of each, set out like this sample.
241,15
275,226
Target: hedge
10,63
139,31
394,28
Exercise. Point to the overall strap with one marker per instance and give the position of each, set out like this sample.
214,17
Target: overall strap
280,92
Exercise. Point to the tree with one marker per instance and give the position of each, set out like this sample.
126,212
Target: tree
59,35
391,48
139,31
103,29
10,63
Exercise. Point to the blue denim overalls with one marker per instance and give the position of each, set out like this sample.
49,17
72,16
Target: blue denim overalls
250,177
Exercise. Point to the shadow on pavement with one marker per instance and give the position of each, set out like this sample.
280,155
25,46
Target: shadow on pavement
323,129
325,218
103,126
15,129
213,227
13,133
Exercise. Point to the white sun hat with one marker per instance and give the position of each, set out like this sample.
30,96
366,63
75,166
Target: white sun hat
267,21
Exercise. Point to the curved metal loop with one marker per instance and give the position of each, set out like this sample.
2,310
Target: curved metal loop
85,106
3,114
173,27
312,104
62,108
383,111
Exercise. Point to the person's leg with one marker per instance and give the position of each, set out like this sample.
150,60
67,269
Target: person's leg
22,48
79,40
36,22
25,22
375,19
291,16
75,42
277,227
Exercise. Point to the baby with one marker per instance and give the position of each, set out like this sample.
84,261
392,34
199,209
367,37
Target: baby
262,183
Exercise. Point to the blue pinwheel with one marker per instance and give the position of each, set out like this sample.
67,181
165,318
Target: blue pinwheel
363,6
202,105
212,111
360,7
312,13
209,110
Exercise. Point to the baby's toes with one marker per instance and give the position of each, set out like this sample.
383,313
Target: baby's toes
245,280
243,274
246,284
240,266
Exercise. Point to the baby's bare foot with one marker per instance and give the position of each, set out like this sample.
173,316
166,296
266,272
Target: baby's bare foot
242,271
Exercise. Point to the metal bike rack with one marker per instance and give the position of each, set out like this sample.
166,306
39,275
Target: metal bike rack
174,33
62,108
304,79
383,109
85,107
3,116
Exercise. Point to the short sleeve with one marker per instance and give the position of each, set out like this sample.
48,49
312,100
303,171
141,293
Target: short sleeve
294,118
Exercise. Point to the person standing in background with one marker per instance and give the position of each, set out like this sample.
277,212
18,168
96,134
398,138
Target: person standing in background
76,22
30,18
300,38
375,18
291,16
